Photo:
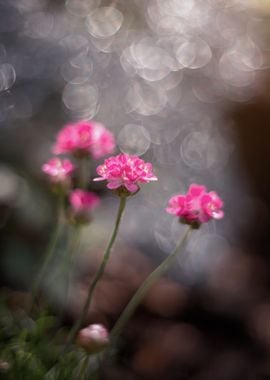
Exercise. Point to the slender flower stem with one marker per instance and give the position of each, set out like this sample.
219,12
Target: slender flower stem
49,253
143,289
98,274
84,367
73,247
84,172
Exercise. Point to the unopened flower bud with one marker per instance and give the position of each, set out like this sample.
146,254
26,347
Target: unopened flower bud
93,338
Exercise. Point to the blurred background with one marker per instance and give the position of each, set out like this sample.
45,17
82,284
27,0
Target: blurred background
184,84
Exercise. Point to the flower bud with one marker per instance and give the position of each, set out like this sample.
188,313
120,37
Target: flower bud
93,338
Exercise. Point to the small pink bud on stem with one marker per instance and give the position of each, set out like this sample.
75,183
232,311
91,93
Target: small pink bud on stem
93,338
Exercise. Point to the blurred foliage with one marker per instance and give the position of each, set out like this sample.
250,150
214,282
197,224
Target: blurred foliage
31,349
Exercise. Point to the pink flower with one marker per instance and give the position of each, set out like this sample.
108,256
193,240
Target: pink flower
84,137
83,201
125,171
93,338
58,170
197,206
103,141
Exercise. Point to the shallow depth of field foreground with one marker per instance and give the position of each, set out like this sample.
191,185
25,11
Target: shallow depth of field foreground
134,190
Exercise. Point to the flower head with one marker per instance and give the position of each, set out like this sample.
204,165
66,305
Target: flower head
103,141
125,171
58,170
196,206
83,201
84,138
93,338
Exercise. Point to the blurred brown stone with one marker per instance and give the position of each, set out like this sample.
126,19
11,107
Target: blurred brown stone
165,344
166,298
259,323
237,283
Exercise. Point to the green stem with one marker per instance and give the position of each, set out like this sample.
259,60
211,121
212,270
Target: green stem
84,172
75,242
83,367
143,289
98,274
49,253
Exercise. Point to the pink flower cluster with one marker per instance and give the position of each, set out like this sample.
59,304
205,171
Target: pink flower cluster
125,171
58,170
84,138
83,201
197,206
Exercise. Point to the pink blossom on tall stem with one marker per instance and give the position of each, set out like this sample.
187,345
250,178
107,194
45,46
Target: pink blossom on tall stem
93,338
83,201
58,170
125,171
84,138
196,206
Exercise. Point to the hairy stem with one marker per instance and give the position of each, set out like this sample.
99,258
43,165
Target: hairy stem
49,253
143,289
98,274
